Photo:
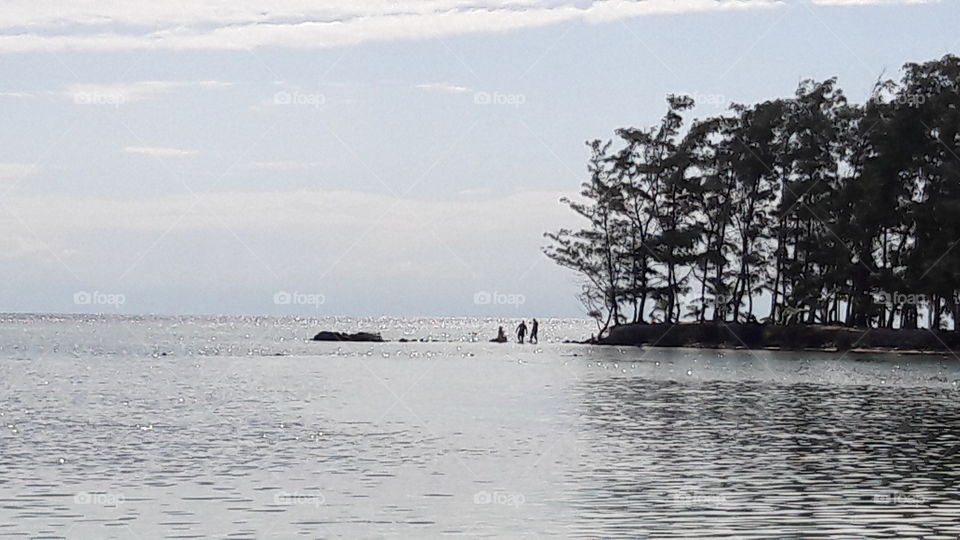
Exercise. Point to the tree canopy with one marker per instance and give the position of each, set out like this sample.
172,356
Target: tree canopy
807,210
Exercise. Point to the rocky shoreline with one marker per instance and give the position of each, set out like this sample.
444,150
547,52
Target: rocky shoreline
782,337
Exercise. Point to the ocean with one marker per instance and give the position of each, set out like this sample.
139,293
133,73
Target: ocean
240,427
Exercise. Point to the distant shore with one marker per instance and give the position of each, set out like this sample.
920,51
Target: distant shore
782,337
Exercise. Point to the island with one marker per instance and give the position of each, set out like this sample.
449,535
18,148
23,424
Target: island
808,221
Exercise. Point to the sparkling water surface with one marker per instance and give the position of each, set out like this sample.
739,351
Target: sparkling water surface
240,427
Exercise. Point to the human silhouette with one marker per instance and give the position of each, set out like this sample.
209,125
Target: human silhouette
501,336
521,331
533,332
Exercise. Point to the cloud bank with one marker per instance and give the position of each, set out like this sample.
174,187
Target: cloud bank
129,92
117,25
358,249
159,151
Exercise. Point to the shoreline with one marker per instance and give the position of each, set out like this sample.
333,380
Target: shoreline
799,337
826,350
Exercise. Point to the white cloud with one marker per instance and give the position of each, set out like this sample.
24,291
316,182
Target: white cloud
17,95
129,92
88,25
15,245
358,236
443,88
356,248
225,25
17,170
306,210
871,2
283,165
159,151
474,192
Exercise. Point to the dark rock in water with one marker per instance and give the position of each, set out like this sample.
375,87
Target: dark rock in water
341,336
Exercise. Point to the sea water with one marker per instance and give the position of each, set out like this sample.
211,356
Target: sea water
240,427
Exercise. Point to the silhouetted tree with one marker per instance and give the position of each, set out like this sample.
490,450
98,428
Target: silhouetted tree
595,252
842,213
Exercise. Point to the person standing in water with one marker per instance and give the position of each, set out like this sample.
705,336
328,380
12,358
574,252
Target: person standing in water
521,331
533,332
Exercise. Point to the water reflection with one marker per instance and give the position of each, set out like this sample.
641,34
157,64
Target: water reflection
738,459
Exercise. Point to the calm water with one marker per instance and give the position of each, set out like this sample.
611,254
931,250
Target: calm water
239,428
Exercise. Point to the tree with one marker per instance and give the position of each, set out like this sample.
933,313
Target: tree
827,206
595,252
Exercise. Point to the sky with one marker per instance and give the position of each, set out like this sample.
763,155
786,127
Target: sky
375,157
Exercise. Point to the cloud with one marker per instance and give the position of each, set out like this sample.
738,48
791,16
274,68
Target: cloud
306,24
225,25
129,92
282,165
474,192
17,170
159,151
443,88
17,95
359,236
305,210
60,25
231,251
15,245
871,2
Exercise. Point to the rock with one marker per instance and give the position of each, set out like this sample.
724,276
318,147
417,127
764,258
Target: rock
341,336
